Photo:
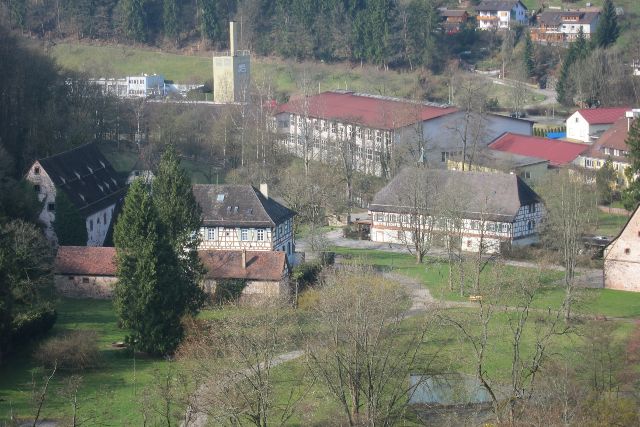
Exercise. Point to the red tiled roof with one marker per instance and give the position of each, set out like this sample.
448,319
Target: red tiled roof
366,110
613,138
86,260
261,265
602,116
556,152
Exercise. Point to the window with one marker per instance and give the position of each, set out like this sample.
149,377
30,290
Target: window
69,277
577,120
211,233
379,217
51,207
36,170
400,234
36,188
260,234
98,220
491,226
85,280
244,234
627,251
532,209
90,225
504,228
104,217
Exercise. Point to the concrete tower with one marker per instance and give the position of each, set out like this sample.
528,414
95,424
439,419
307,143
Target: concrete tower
231,71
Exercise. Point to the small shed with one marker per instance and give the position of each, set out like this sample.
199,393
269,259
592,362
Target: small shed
85,271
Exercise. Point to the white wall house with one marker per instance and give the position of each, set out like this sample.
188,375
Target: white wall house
142,86
88,181
494,208
555,26
622,258
587,125
376,130
241,217
500,14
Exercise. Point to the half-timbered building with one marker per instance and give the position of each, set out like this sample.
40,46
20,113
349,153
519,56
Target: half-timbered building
483,210
242,217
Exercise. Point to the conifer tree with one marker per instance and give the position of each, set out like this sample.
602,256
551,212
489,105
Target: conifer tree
529,63
170,13
181,218
579,49
631,196
608,31
134,19
148,294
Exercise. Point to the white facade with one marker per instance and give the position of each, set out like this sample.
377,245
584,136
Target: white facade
501,19
622,258
390,227
278,238
579,129
144,86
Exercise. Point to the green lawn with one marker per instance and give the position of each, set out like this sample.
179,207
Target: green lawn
610,224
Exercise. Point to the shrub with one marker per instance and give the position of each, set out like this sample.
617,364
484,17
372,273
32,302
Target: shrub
74,351
228,290
306,274
34,323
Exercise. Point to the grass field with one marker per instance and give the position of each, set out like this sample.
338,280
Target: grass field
610,224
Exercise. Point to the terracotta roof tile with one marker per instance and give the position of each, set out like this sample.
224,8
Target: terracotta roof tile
86,260
602,116
261,265
557,152
613,138
366,110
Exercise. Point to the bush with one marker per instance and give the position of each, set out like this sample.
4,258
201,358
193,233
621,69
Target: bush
228,290
306,274
31,324
75,351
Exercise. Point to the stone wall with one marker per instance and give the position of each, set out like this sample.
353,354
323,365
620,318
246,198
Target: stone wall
98,287
256,291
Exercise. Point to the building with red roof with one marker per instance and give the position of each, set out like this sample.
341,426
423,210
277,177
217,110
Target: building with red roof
373,128
612,146
558,153
587,125
85,271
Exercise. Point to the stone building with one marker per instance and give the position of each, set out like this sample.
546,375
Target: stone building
622,257
89,182
85,271
485,210
241,217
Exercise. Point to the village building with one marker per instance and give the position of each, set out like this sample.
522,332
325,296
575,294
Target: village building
497,208
265,273
85,271
241,217
500,14
622,257
452,20
559,27
376,129
89,182
612,146
140,86
558,153
530,169
588,124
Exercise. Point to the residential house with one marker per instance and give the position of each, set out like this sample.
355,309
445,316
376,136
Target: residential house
555,26
89,182
622,257
241,217
265,273
500,14
558,153
611,146
85,271
452,20
588,124
496,208
530,169
378,129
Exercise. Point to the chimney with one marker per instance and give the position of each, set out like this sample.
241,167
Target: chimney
233,38
244,259
264,189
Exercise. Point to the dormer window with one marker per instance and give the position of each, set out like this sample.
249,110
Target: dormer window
235,209
64,181
82,197
90,170
102,164
76,174
114,181
228,209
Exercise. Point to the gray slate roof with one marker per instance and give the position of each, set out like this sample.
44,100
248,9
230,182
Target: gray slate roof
86,177
231,205
489,196
495,5
553,18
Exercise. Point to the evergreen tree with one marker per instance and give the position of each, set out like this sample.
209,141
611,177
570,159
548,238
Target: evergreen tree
148,293
69,226
605,182
181,218
631,196
170,13
608,31
134,19
210,23
579,49
529,63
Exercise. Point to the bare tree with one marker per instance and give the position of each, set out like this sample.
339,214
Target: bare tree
471,98
39,395
571,212
360,354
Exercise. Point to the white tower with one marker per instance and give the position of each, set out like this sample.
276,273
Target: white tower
231,71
